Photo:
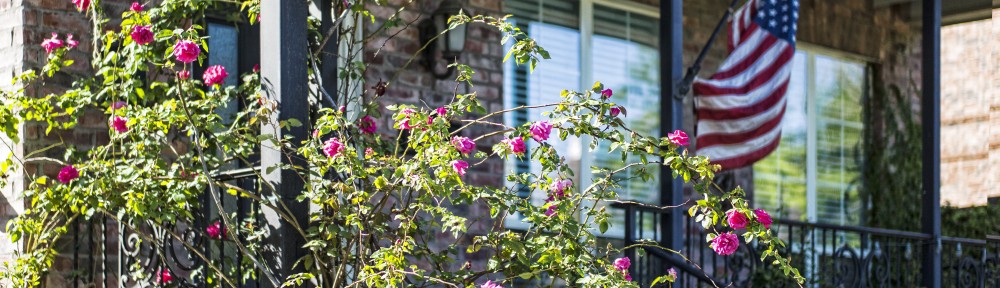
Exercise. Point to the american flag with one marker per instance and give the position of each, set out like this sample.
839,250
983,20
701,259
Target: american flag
740,108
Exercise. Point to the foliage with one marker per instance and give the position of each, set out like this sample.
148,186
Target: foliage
970,222
379,202
890,121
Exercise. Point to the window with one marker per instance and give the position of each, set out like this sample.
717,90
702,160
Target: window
815,174
614,42
223,45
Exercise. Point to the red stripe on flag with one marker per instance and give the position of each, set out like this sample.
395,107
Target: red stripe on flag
747,61
707,90
749,158
709,140
747,111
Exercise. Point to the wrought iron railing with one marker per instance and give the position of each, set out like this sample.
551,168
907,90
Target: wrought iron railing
827,255
105,253
108,253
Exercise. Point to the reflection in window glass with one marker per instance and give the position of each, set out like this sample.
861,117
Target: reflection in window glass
624,57
838,101
780,179
831,90
223,50
554,25
626,60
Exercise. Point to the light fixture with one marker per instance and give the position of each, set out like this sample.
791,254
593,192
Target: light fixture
450,44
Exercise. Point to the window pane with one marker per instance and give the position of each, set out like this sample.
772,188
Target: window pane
223,50
554,25
626,60
780,179
838,99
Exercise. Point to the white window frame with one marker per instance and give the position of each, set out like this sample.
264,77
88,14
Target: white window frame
812,111
586,28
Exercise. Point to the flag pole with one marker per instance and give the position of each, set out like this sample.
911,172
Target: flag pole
685,85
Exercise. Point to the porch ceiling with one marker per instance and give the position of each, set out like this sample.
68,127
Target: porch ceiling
952,11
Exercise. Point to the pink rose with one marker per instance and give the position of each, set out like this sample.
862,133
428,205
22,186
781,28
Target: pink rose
672,273
136,7
52,44
342,109
725,244
367,125
120,124
559,187
81,5
541,130
215,74
606,93
256,68
441,111
516,145
216,230
678,138
490,284
459,166
333,147
67,174
164,277
141,34
463,144
118,105
615,111
186,51
763,217
628,277
736,219
551,210
404,123
369,152
622,264
184,74
70,42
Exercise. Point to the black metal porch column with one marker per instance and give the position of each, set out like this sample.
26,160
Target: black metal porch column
671,116
283,68
930,110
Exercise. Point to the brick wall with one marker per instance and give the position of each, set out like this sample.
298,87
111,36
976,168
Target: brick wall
416,86
994,172
40,19
852,26
969,110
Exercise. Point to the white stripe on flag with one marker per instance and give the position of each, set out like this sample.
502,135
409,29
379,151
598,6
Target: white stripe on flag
734,101
733,126
743,50
763,62
728,151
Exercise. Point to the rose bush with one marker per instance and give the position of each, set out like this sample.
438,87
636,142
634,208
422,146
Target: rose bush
379,201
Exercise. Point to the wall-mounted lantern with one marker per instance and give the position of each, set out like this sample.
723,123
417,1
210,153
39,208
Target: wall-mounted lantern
450,45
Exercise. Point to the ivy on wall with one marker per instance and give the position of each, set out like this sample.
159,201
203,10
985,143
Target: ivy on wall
893,166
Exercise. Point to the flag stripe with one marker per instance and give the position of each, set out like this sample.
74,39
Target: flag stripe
740,108
709,140
739,100
742,112
729,151
762,70
741,65
756,36
750,157
733,126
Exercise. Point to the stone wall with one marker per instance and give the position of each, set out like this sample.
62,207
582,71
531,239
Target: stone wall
11,42
970,139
